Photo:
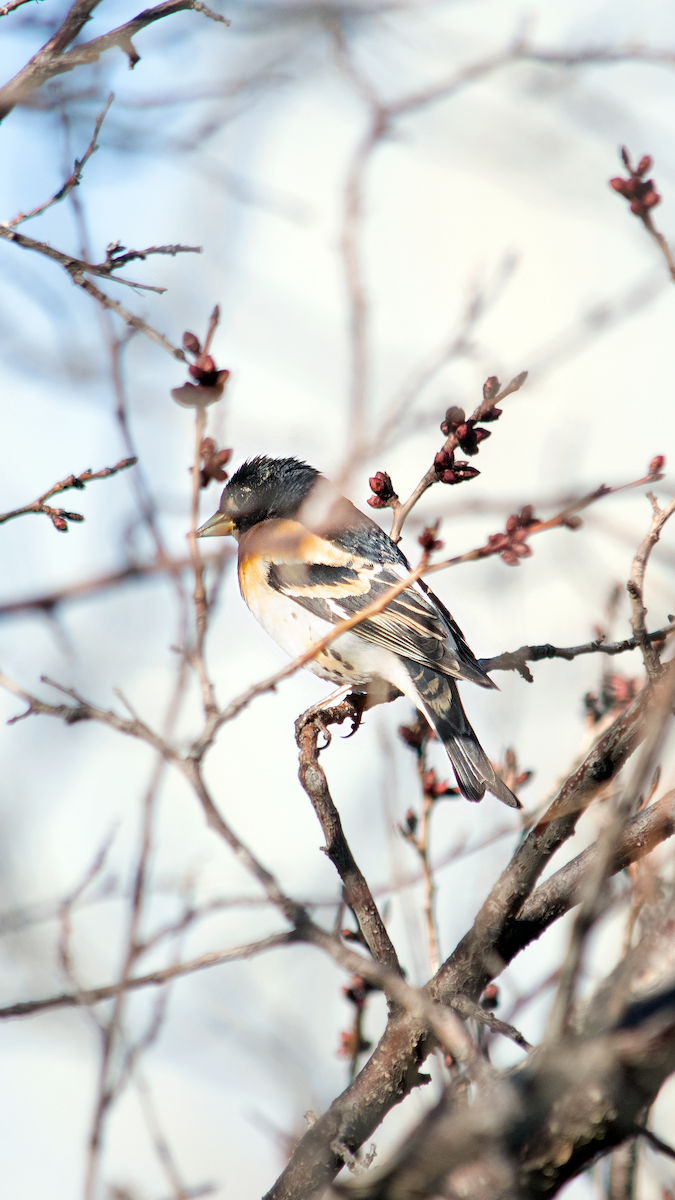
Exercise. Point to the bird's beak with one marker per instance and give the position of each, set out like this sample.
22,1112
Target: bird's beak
219,525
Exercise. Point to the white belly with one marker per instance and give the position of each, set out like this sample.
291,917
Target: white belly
349,659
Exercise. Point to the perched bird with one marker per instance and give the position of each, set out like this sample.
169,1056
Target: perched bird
307,559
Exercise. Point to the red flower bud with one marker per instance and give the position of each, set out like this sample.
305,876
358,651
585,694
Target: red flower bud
644,165
376,502
58,522
443,460
510,557
657,464
491,414
191,343
618,184
381,485
512,524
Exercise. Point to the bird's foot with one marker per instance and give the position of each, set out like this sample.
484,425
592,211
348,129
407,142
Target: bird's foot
350,708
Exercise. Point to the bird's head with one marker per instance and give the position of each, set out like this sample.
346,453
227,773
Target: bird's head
261,490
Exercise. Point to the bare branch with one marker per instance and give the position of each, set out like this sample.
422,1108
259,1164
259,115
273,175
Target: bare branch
516,660
53,58
635,587
357,893
392,1070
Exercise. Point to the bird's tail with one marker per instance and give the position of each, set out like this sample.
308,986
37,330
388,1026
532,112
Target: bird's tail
438,697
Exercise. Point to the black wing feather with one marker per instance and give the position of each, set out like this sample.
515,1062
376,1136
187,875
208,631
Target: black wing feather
414,624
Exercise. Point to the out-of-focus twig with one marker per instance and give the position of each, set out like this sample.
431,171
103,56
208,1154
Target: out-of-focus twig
73,179
48,601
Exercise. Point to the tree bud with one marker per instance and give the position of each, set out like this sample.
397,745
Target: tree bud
491,388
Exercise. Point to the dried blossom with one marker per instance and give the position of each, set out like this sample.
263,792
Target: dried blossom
416,735
210,380
357,991
434,788
411,822
351,1044
213,461
428,540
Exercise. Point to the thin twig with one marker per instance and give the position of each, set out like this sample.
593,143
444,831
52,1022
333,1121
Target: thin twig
77,269
73,179
57,515
516,660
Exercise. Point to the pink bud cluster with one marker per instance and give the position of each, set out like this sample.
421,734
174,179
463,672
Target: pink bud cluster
641,193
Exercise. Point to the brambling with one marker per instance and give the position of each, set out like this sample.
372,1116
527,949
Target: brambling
307,559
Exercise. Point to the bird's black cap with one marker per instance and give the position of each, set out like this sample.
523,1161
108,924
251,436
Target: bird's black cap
266,488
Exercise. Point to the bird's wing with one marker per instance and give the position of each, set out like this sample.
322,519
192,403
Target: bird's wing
413,624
